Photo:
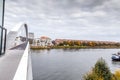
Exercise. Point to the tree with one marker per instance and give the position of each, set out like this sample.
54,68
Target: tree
102,70
92,76
99,72
91,43
71,43
77,43
65,42
60,44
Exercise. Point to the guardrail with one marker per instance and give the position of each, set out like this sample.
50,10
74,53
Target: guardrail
3,33
24,71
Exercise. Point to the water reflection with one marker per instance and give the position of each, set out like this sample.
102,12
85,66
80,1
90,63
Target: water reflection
68,64
71,50
116,63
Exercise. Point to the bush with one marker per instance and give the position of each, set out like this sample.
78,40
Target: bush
92,76
99,72
102,70
117,75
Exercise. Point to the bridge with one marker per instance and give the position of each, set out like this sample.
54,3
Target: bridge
15,64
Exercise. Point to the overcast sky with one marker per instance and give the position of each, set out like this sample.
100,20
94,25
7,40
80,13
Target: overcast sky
1,8
70,19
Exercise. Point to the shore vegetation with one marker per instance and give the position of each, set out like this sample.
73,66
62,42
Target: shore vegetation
101,71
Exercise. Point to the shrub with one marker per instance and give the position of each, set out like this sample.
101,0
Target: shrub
102,70
92,76
99,72
117,75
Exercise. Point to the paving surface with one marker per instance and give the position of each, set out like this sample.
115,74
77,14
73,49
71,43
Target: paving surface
9,63
10,60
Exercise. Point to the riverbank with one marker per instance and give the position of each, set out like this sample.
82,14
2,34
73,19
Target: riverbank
74,47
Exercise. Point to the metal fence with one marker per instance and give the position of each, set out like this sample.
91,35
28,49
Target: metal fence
3,33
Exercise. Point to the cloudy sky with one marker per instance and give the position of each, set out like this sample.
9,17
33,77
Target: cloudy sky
1,8
70,19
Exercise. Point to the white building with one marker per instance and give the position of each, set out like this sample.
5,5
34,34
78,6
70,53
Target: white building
42,41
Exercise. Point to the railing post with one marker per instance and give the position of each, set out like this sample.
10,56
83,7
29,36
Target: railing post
3,40
2,49
3,13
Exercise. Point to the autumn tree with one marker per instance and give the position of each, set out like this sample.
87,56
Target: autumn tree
71,43
77,43
65,42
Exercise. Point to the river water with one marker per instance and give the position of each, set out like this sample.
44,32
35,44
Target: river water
68,64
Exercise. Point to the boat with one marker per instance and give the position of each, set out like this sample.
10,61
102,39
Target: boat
116,57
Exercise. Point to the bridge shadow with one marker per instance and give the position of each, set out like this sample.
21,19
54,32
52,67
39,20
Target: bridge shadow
19,47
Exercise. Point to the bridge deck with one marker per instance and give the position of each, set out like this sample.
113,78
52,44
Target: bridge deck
10,60
9,63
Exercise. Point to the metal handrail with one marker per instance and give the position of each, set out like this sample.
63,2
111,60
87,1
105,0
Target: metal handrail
2,29
3,49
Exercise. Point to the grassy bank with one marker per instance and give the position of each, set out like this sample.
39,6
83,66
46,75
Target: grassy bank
74,47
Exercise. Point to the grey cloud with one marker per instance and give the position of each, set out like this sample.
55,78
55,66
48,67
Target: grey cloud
78,19
70,4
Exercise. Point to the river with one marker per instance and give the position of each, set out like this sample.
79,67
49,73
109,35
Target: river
68,64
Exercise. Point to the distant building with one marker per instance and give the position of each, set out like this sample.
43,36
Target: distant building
31,35
42,41
45,41
36,42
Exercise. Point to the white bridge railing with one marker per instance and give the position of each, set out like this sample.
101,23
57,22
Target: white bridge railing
24,71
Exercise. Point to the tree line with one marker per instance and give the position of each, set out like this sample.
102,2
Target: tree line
87,43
